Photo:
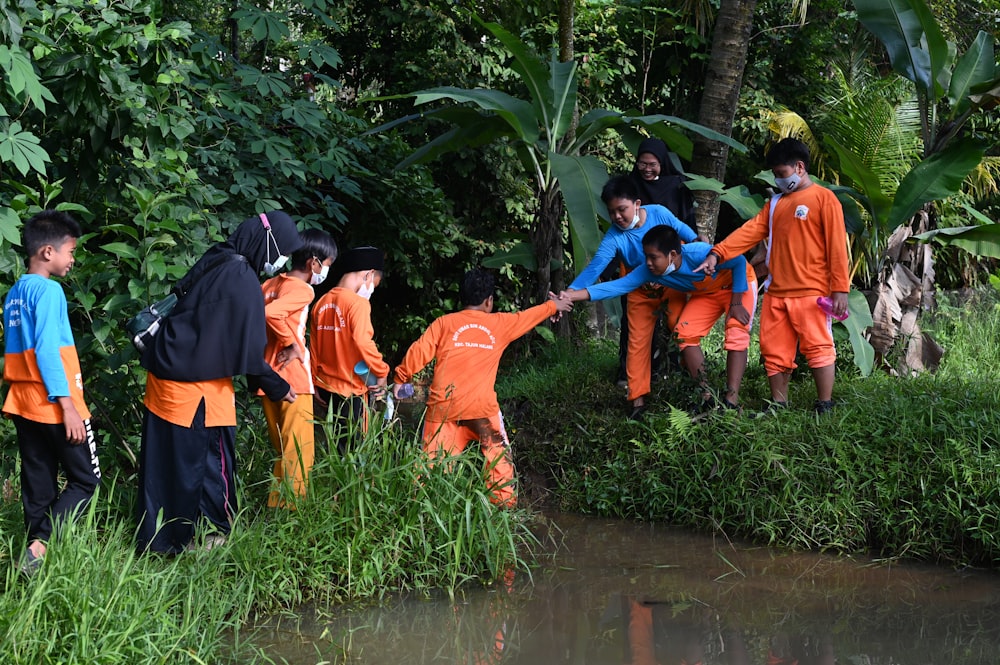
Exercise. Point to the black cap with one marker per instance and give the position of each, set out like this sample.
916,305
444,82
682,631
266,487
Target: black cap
360,259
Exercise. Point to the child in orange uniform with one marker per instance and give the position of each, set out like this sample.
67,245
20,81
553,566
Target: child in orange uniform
732,293
342,335
807,258
462,405
286,308
45,399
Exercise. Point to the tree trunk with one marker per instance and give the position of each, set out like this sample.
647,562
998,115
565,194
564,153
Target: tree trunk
726,63
546,236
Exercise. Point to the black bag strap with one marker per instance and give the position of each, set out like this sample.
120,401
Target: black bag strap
181,292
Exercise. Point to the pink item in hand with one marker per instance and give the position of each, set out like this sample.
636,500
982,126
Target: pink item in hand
825,303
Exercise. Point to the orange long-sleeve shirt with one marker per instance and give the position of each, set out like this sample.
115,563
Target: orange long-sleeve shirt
467,346
286,310
808,243
341,334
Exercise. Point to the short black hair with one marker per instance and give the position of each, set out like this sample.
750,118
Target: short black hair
49,227
786,152
315,243
663,238
477,286
619,187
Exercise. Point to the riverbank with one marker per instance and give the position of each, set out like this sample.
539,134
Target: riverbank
903,467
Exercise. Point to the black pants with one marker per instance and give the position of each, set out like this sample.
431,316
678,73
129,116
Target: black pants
44,449
347,416
186,474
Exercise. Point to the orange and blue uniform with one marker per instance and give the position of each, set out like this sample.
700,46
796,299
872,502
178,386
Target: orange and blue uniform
709,298
41,365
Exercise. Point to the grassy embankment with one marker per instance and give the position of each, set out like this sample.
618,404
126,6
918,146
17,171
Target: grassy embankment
906,467
376,523
902,467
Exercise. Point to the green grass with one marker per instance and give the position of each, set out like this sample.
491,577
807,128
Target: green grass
377,521
902,467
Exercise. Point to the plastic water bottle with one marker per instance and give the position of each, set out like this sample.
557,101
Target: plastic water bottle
825,303
362,370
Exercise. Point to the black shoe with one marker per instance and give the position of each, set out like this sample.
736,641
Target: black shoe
823,406
638,413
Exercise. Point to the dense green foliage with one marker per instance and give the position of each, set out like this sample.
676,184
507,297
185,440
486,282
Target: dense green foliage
376,522
901,467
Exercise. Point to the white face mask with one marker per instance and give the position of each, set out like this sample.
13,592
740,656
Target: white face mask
366,290
318,278
635,221
272,268
670,268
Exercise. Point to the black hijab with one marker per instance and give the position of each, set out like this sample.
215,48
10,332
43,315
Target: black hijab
217,329
668,190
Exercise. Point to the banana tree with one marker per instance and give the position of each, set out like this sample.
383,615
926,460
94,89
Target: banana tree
566,180
950,89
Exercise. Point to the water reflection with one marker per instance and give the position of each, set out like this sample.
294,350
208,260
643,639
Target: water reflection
619,593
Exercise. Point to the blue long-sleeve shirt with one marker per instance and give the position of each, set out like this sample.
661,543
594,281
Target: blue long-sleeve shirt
628,244
684,278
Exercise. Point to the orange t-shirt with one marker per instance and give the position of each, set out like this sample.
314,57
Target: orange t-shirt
341,335
286,309
467,346
177,401
808,255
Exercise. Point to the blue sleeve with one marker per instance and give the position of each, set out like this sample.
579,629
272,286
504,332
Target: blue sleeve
738,266
664,216
622,285
602,257
51,329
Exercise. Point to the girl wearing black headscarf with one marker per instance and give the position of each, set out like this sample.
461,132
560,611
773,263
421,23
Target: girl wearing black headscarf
216,331
659,182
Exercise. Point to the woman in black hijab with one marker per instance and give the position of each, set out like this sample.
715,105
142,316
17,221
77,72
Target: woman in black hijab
187,465
659,182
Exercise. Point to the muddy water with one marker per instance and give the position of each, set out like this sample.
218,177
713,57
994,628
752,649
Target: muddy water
618,592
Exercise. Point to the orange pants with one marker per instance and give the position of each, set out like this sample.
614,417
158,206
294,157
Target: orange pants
290,428
787,324
643,304
449,439
704,308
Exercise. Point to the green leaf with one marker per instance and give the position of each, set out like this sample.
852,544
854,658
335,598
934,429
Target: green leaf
522,253
121,249
864,179
532,71
939,176
913,39
580,181
979,240
10,226
518,113
23,149
976,66
546,334
857,323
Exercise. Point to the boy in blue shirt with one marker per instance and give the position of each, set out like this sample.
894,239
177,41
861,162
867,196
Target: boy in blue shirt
630,221
45,399
673,265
